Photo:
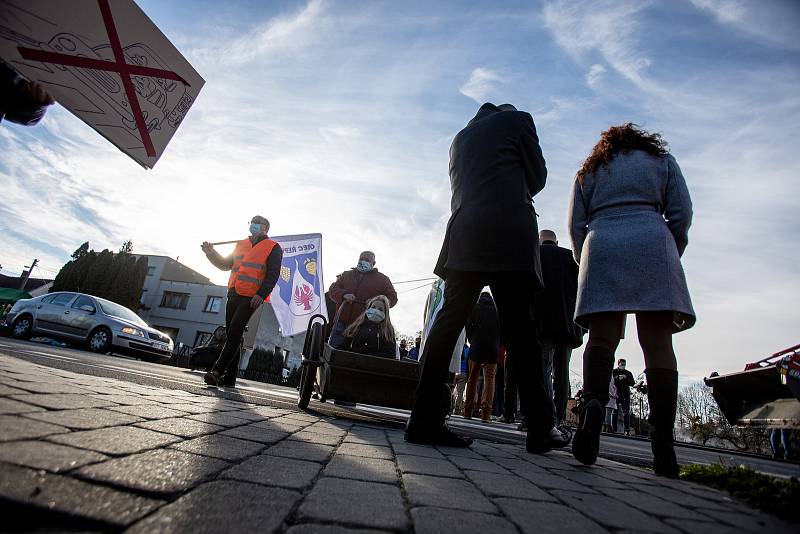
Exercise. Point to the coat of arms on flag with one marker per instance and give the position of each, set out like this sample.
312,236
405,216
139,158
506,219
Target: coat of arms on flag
298,294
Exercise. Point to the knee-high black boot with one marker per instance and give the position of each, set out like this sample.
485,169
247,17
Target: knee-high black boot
597,365
662,395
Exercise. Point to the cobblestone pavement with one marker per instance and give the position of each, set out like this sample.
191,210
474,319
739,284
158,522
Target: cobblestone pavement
80,452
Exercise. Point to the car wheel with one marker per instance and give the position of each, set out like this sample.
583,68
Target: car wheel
22,327
100,341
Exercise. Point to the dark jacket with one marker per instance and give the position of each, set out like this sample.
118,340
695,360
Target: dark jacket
367,340
483,331
364,286
496,167
554,306
623,380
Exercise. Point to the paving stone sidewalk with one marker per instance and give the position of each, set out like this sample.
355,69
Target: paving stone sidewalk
87,453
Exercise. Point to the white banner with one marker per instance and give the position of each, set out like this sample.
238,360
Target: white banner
299,293
107,63
432,306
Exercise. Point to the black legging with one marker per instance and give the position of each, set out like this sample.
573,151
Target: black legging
653,328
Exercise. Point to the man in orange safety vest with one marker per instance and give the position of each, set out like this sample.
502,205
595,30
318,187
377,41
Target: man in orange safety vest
255,266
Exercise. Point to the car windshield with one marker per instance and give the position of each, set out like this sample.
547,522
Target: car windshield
121,312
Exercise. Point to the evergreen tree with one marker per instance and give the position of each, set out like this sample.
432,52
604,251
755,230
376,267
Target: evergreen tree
78,280
122,267
61,281
116,277
100,276
80,251
139,275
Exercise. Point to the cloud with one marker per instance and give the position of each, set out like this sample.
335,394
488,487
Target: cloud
278,34
481,83
772,22
595,75
609,27
732,134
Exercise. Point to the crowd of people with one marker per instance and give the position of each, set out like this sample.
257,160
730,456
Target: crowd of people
630,213
629,218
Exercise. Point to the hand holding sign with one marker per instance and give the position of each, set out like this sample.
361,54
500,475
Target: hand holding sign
107,63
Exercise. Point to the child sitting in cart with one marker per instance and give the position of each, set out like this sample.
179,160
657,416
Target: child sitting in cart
372,332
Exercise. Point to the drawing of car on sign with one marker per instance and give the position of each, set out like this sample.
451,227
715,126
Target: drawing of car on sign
161,100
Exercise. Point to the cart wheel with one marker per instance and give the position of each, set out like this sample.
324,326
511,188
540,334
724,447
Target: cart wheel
314,340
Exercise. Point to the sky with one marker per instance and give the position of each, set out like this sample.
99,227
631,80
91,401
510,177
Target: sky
336,117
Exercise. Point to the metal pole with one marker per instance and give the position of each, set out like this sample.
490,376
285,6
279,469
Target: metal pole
26,275
225,242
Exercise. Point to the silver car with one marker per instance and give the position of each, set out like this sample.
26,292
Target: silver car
100,324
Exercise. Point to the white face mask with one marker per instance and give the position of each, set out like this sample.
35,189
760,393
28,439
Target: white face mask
375,315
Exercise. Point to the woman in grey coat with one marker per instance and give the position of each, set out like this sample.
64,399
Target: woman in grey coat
630,217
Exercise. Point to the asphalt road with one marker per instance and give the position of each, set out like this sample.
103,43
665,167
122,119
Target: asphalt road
621,448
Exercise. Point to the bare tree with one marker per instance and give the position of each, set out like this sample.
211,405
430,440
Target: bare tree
699,414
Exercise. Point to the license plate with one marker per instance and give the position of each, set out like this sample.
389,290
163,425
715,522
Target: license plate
161,346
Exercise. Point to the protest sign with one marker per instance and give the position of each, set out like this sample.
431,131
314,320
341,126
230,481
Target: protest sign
299,293
107,63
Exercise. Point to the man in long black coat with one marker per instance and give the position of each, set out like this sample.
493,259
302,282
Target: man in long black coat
496,167
554,312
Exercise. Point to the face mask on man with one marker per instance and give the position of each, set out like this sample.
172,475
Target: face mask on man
622,366
375,315
364,266
255,228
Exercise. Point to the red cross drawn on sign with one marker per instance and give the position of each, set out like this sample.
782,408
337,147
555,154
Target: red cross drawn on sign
119,66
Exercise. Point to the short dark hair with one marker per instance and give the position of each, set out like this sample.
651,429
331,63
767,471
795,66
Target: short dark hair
258,219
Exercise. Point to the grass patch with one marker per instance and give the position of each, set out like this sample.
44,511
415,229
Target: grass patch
779,497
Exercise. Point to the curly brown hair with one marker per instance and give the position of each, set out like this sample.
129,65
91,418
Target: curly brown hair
628,136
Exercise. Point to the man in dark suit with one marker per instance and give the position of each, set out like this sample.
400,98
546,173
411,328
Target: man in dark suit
496,167
554,312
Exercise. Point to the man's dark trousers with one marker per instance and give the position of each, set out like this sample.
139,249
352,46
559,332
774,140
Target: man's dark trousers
624,407
510,392
561,357
237,315
513,296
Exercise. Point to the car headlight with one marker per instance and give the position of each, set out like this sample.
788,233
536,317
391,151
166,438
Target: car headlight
132,331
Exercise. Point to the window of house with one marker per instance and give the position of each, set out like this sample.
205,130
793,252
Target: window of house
151,270
177,301
201,338
213,304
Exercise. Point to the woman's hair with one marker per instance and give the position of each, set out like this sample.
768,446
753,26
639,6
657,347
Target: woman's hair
387,330
618,139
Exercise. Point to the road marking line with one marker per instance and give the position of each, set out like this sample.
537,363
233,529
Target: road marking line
286,394
48,355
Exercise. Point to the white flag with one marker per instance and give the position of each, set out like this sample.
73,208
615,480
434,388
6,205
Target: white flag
298,295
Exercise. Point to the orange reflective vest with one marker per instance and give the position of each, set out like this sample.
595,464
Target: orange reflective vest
250,266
